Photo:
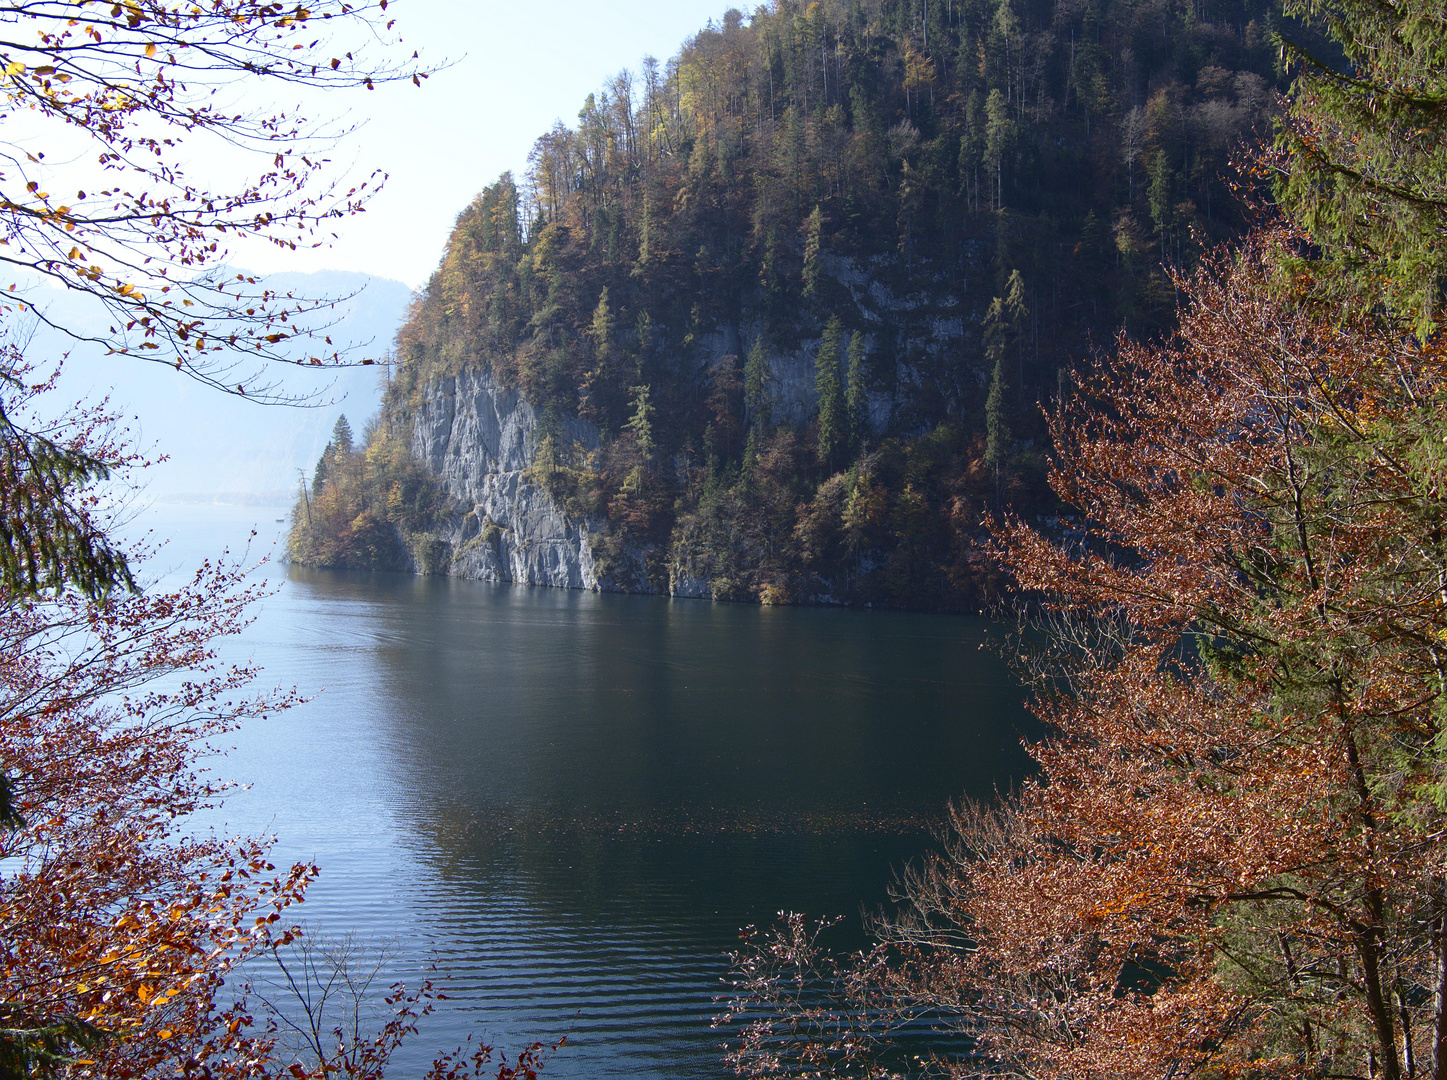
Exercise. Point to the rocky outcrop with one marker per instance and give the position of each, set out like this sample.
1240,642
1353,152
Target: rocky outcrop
478,439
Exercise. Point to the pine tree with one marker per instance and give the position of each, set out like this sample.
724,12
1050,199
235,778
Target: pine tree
997,427
1363,153
856,395
1004,325
323,468
602,329
641,422
833,430
811,251
1159,195
548,454
342,435
751,452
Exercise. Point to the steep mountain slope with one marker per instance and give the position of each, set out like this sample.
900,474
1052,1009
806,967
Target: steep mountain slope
777,318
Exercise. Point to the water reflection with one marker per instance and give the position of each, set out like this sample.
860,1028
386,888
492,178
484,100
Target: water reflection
577,800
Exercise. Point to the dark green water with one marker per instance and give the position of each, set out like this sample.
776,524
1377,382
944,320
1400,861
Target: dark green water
573,801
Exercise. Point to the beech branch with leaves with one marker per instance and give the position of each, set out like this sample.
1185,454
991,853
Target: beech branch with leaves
145,84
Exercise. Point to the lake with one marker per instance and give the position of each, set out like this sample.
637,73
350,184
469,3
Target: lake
572,802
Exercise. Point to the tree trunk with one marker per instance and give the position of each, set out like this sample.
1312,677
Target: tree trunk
1438,893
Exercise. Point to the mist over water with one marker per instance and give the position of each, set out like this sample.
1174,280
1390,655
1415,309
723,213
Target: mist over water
571,802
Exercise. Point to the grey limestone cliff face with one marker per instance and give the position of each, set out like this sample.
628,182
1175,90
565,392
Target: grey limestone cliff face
478,439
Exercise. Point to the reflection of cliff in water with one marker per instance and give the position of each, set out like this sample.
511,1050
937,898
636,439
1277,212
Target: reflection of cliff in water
600,790
522,723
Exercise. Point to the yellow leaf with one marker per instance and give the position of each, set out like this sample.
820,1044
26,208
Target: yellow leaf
150,50
144,992
15,67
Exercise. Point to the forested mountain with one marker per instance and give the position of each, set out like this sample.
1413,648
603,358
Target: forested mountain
813,278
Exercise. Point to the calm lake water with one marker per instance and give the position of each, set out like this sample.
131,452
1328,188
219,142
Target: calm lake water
572,802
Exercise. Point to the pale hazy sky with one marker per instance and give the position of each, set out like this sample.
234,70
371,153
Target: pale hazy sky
517,67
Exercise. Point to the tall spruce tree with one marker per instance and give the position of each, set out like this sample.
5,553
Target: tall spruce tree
833,422
342,435
856,394
813,229
997,425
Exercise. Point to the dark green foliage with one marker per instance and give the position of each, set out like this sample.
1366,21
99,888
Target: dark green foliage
856,394
756,387
339,447
997,428
809,274
641,422
342,435
1004,345
1363,163
833,418
47,1050
50,540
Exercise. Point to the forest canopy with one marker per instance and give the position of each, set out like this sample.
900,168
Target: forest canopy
970,194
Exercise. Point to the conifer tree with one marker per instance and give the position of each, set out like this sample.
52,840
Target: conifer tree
546,458
602,329
997,426
1363,153
856,394
342,435
641,422
811,251
1005,322
833,422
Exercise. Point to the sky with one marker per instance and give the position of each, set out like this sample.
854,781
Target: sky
515,68
507,72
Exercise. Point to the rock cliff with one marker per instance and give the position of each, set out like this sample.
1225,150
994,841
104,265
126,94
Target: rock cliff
478,439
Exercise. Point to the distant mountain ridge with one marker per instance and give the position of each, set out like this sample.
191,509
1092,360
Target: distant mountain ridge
221,447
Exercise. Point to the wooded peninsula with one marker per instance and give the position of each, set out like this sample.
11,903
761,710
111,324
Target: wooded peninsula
810,286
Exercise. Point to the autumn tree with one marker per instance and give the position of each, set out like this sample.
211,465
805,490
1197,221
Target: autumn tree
367,507
135,232
124,925
119,927
1231,858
